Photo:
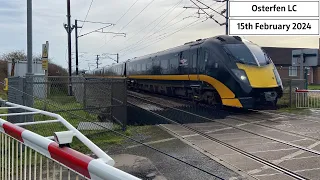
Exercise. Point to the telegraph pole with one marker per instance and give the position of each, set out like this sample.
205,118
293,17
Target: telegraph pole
97,61
77,52
227,17
69,30
100,30
117,57
29,36
28,101
301,65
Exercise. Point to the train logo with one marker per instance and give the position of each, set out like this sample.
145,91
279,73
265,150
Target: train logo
183,62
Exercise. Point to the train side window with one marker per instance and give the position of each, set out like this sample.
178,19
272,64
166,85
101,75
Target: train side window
206,56
194,61
156,63
173,63
139,67
143,67
164,64
149,65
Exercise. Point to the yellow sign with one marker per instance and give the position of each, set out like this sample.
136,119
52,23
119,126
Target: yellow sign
45,63
5,84
45,49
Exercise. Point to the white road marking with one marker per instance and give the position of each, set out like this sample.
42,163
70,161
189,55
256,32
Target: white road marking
287,157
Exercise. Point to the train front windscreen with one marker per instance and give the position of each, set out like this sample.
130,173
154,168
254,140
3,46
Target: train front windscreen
247,53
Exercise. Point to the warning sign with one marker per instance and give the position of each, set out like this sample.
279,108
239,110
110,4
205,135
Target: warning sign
45,50
45,64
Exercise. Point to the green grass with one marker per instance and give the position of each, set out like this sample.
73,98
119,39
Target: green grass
102,138
3,94
314,87
289,109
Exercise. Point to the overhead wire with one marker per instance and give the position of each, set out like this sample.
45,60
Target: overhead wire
118,133
135,45
125,13
160,39
209,16
97,30
210,8
147,40
159,30
85,19
137,15
150,38
145,27
220,6
130,21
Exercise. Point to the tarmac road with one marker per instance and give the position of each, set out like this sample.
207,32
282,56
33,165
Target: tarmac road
172,169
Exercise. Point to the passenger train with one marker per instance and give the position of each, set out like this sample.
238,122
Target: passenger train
225,70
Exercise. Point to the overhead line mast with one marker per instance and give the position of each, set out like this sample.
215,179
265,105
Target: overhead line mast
212,16
100,30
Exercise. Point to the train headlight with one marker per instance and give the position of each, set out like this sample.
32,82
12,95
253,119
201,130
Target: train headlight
243,77
278,79
241,74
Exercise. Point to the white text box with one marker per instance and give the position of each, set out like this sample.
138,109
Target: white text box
274,9
273,27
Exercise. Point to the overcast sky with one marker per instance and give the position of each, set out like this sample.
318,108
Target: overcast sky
161,25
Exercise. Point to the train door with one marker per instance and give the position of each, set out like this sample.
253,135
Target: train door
194,64
202,61
184,63
125,70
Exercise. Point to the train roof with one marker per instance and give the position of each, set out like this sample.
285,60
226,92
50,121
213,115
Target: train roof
221,39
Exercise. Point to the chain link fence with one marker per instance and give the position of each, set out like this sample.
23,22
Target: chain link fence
289,86
102,101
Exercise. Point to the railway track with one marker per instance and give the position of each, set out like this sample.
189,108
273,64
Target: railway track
249,115
178,110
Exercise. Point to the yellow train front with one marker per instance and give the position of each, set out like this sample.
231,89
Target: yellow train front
222,70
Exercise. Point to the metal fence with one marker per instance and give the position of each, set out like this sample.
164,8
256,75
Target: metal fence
100,99
307,99
289,87
28,155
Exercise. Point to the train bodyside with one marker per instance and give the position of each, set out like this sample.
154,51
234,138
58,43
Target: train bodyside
114,71
207,70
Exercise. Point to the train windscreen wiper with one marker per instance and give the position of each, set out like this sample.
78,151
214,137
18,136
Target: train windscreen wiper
235,58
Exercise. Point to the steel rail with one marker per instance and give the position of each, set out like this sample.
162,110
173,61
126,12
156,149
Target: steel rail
256,158
251,132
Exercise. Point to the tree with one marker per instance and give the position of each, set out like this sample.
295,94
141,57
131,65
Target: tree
56,70
53,69
16,55
19,55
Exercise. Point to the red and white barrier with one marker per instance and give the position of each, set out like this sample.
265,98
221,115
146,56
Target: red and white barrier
86,166
306,90
74,160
